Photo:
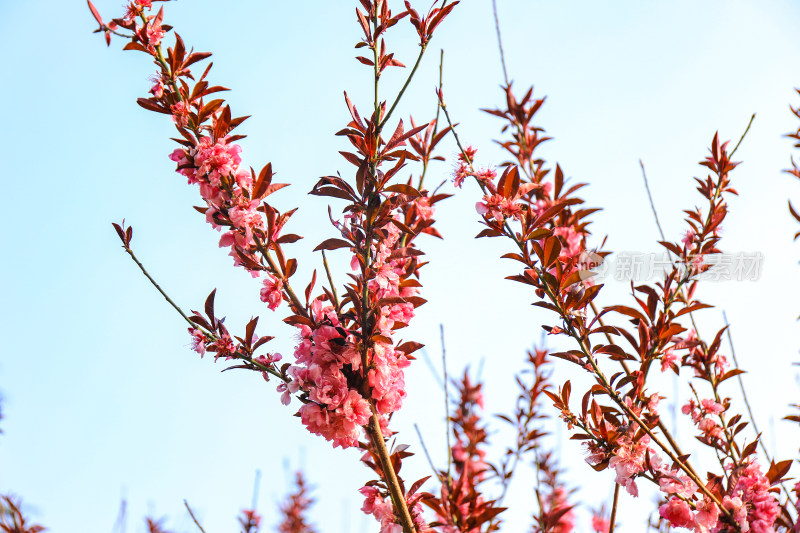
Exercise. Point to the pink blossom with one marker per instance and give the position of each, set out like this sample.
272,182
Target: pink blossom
572,239
269,359
600,524
371,499
154,33
272,292
330,389
470,153
688,239
486,175
180,113
628,461
668,359
216,160
460,173
763,508
678,512
198,341
738,510
558,500
223,346
711,406
355,409
286,395
424,209
707,515
672,482
498,207
157,90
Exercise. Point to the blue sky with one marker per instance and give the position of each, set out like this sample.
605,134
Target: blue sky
102,398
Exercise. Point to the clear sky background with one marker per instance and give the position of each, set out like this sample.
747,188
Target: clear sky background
102,397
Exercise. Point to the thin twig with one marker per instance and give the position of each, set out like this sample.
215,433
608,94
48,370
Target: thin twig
403,90
119,525
429,364
436,122
446,399
157,286
256,487
499,41
652,205
743,134
747,402
330,281
193,517
390,476
427,455
741,383
613,518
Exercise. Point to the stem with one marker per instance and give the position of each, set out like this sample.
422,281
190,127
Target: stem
299,307
446,402
211,334
747,404
652,205
613,518
752,118
256,487
374,428
435,123
427,455
330,280
403,90
398,499
499,41
193,517
157,286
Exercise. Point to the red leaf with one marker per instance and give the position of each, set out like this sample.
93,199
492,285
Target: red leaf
333,244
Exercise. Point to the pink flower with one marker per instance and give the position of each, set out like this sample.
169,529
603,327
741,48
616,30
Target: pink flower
672,482
628,461
216,160
269,359
486,175
286,395
355,409
600,524
572,239
460,173
498,207
424,209
688,239
739,511
470,151
198,341
668,359
180,113
157,90
371,499
154,33
707,515
711,406
331,389
678,512
272,292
